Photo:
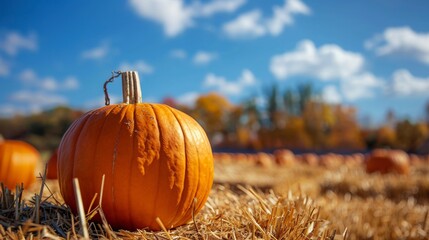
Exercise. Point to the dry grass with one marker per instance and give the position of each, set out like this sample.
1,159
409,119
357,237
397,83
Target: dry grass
242,213
364,206
248,202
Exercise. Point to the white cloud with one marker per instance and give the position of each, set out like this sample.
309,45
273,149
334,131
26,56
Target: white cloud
41,98
202,57
178,53
70,83
217,6
175,15
330,94
4,67
13,42
141,66
252,24
361,85
188,99
403,41
30,78
98,52
283,16
27,102
222,85
329,62
247,25
48,83
404,83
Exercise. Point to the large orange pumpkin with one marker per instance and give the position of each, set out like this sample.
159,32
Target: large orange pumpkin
156,161
18,161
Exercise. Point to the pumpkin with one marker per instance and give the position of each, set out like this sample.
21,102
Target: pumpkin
52,166
284,157
18,162
264,160
157,162
310,159
388,161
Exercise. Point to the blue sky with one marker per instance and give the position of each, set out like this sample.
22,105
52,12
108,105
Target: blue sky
371,54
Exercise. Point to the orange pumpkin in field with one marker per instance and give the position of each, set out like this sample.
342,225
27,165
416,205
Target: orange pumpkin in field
157,162
386,161
264,160
52,166
284,157
18,161
310,159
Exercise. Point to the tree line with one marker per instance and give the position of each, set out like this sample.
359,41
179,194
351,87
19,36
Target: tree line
295,118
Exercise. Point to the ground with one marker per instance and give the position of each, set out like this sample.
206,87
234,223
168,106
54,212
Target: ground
250,200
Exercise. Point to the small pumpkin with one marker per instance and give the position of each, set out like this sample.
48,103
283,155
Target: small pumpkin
284,157
310,159
388,161
156,161
52,166
264,160
18,162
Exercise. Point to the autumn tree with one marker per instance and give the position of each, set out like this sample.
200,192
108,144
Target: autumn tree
345,132
212,112
410,136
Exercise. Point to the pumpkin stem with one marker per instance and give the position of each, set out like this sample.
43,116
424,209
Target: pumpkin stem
115,74
131,91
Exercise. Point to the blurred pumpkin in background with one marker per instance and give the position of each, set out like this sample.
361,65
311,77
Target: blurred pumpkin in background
388,161
18,162
284,157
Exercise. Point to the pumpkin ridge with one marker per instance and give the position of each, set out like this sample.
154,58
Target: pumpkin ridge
188,211
130,165
82,134
67,183
182,202
85,186
145,167
113,187
209,179
105,110
198,130
153,215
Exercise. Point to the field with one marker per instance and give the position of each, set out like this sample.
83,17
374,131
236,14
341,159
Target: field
253,198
